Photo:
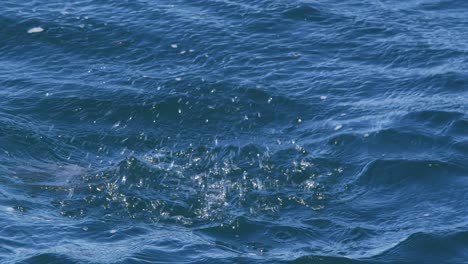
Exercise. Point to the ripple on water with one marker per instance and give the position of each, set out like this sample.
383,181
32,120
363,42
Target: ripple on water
233,131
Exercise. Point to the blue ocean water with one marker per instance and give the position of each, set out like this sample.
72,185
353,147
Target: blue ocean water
218,131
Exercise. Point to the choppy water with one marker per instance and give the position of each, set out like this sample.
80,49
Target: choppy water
217,131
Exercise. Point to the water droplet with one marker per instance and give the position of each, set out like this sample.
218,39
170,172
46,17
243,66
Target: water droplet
116,125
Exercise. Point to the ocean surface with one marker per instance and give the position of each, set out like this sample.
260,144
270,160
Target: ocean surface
219,131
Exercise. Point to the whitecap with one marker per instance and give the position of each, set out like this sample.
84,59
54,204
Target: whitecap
35,30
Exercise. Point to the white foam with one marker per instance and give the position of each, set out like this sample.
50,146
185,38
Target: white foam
35,30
